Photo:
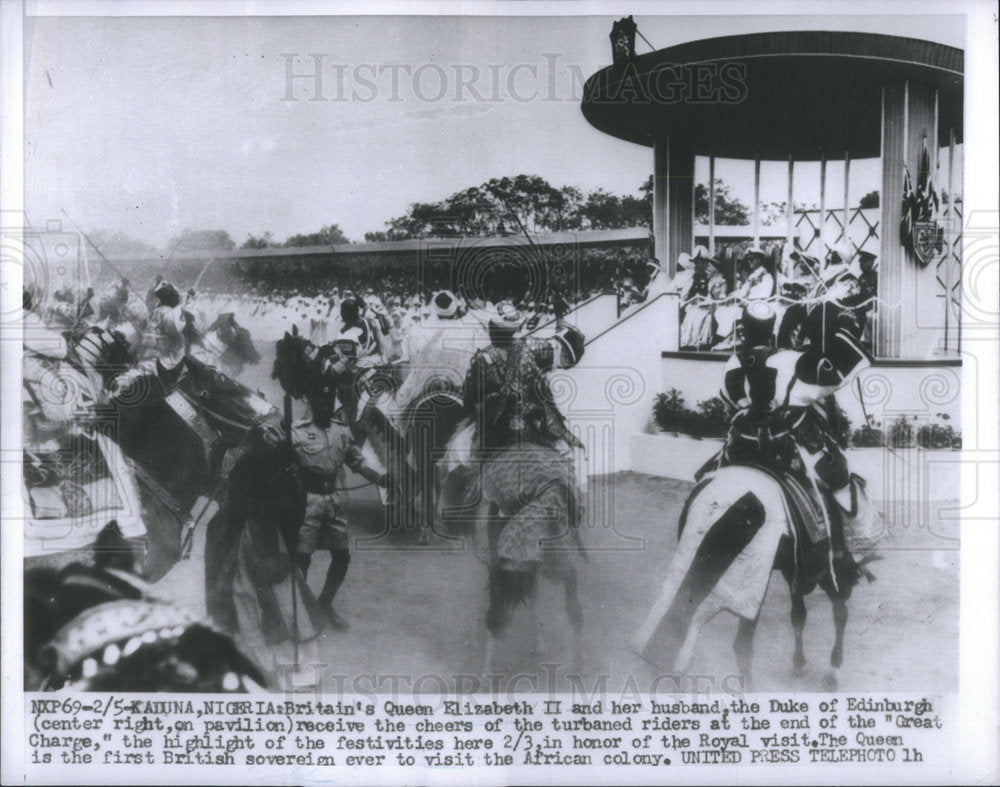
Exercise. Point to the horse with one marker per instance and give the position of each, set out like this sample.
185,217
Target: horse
527,526
226,444
98,626
738,524
230,344
408,435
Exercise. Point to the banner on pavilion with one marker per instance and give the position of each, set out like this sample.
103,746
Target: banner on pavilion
919,231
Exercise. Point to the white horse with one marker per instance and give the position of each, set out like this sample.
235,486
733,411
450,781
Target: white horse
737,525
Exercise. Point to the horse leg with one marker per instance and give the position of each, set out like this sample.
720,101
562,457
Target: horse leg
537,640
798,626
489,661
574,611
785,562
743,647
497,618
832,679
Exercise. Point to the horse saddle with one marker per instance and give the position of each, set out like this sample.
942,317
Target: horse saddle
810,524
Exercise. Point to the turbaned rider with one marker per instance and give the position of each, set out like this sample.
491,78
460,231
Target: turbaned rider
785,416
507,390
520,439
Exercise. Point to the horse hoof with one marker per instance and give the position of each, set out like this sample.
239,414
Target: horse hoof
831,681
798,670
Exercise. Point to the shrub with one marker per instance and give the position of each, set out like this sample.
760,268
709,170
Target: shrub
901,432
870,435
935,435
841,425
711,419
714,415
669,410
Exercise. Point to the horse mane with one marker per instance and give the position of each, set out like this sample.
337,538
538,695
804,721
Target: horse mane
292,368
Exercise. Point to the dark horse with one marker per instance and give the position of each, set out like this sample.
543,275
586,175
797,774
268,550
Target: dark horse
192,433
409,438
231,343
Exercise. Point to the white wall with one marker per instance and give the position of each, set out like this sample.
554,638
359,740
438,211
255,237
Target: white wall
900,475
592,316
609,395
888,390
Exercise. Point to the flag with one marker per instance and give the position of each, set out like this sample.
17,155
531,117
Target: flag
927,198
918,230
623,41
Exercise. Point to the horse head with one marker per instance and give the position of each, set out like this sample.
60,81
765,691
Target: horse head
226,327
106,351
230,407
294,364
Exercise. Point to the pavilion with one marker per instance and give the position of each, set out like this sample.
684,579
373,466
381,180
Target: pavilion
809,96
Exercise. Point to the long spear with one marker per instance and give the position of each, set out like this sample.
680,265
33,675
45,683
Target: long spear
542,257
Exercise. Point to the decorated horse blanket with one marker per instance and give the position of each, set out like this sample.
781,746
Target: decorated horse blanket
534,491
730,530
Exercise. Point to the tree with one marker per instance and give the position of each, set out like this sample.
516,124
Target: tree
772,213
728,209
200,240
567,215
115,243
265,241
636,212
870,200
329,235
504,205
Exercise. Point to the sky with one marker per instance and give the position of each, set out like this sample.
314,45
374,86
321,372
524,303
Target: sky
153,125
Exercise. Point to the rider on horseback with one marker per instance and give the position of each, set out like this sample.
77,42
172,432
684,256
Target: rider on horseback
365,331
785,416
520,437
506,389
530,501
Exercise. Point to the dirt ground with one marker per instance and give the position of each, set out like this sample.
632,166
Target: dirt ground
416,613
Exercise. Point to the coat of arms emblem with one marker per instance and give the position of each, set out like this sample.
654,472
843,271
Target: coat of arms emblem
928,240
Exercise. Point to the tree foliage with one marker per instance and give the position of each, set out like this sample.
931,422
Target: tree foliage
870,200
200,240
728,209
265,241
504,205
329,235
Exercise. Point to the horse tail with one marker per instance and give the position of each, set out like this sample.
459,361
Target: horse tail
730,529
507,588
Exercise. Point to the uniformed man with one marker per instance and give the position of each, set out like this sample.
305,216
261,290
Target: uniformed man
868,281
323,445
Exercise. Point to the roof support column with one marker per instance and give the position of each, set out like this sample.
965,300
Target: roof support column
904,286
711,206
673,198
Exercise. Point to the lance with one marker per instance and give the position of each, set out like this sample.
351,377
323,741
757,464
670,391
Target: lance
293,575
197,281
542,258
86,237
